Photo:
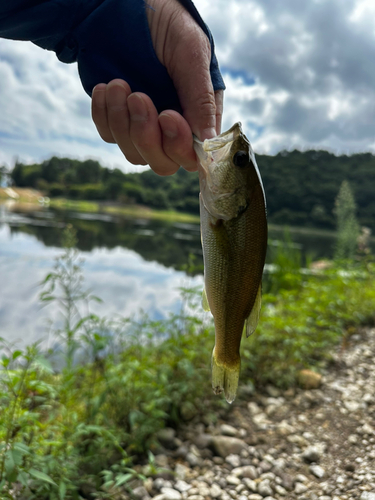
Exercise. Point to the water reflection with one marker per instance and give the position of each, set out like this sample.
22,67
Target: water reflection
130,263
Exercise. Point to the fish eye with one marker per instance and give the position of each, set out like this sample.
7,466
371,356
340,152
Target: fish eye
241,159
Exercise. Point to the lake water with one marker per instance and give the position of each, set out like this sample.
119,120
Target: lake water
131,264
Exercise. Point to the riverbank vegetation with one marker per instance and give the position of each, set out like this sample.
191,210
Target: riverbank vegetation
300,186
81,420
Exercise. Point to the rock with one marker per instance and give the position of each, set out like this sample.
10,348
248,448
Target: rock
280,490
160,483
188,411
317,471
245,471
311,454
167,438
255,496
228,430
181,451
233,460
264,488
265,465
233,480
161,460
367,495
215,490
308,379
182,486
196,497
192,459
352,406
300,488
149,484
181,471
253,408
250,484
171,494
287,481
203,441
225,445
141,493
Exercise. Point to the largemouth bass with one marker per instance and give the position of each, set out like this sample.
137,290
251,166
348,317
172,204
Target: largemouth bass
234,241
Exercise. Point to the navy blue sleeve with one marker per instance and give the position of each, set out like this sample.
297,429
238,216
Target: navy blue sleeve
107,38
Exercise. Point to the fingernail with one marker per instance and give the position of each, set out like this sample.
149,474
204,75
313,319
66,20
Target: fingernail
137,108
208,133
168,126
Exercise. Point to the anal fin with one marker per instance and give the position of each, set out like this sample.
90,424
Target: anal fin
253,318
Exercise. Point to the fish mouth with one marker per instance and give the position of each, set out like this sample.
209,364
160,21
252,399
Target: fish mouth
212,151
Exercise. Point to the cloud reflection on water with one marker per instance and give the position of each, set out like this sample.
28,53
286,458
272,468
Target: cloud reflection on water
120,277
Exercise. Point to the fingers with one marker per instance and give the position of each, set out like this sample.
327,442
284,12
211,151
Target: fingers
178,139
146,135
131,120
117,94
99,112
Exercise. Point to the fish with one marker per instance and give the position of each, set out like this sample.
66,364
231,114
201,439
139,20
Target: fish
233,220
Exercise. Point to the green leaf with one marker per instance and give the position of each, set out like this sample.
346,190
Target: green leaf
42,476
9,462
42,362
62,490
16,354
122,479
22,478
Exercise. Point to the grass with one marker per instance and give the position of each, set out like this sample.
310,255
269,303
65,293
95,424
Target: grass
91,426
124,210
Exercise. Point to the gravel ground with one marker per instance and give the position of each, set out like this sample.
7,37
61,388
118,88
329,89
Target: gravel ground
299,444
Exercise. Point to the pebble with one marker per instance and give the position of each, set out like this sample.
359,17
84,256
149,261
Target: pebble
264,488
225,445
171,494
193,459
233,460
215,491
366,495
250,484
233,480
140,493
317,470
228,430
312,445
182,486
300,488
311,454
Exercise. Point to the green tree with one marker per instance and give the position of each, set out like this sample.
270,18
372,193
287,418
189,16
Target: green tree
347,224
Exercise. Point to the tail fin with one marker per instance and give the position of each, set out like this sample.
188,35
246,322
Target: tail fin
225,379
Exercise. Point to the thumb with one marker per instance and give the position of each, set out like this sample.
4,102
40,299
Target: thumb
189,68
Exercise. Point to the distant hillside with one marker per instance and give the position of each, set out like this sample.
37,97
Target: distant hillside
300,187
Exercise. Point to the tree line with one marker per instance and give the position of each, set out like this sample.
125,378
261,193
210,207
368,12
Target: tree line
301,187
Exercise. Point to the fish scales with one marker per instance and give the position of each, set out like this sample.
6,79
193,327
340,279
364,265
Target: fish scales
234,241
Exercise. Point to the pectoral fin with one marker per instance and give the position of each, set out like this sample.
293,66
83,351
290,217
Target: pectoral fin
252,320
205,304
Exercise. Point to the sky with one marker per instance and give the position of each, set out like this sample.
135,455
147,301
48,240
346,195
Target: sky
298,75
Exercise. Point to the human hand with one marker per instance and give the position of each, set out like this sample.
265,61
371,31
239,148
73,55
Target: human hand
131,120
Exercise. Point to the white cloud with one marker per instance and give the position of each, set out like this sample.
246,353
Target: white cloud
312,64
312,67
44,109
